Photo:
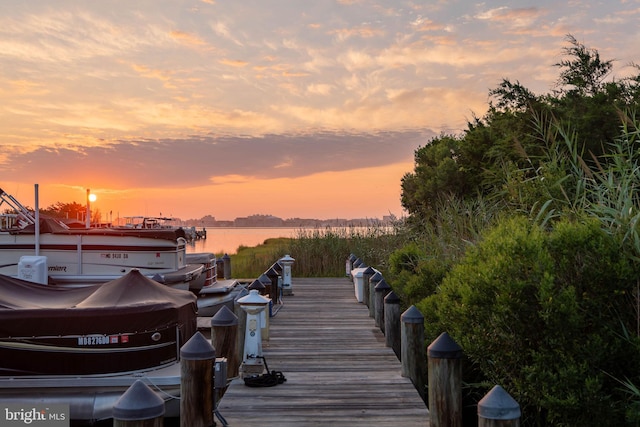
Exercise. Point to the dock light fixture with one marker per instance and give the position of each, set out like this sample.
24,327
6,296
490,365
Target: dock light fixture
254,305
286,262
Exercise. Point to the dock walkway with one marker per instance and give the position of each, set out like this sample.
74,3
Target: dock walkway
338,370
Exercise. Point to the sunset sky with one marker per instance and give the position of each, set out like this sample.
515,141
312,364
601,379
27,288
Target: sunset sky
285,107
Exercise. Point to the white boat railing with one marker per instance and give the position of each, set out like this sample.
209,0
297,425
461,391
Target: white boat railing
23,216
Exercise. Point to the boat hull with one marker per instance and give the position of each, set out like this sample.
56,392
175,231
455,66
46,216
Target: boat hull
88,354
91,397
78,257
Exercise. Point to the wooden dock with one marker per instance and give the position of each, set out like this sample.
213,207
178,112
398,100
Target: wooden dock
338,370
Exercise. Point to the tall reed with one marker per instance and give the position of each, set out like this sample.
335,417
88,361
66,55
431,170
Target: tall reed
322,252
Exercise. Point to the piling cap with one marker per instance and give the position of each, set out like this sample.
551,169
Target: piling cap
197,348
277,267
382,286
224,317
271,272
392,298
498,405
377,276
444,347
139,402
412,315
369,271
226,256
257,285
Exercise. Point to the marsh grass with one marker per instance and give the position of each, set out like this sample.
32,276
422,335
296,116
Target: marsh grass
321,252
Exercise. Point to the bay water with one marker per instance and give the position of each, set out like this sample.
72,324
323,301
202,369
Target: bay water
228,239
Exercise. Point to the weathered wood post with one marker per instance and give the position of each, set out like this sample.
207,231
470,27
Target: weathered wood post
369,288
226,263
366,275
224,338
445,382
498,409
274,291
413,357
242,324
196,382
392,336
382,289
219,268
139,406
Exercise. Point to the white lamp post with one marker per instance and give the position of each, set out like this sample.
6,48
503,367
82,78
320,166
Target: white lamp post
286,262
254,304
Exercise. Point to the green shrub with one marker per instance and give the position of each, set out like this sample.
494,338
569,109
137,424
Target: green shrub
414,274
542,313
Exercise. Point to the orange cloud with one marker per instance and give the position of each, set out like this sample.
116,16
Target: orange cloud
234,62
187,38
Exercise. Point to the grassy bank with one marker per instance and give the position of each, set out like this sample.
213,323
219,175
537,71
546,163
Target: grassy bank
320,252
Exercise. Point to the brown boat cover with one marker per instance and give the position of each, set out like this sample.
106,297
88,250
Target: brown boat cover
131,303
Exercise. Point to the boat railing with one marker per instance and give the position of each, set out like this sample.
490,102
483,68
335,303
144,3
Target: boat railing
23,216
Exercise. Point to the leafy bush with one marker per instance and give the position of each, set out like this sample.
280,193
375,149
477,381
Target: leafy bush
414,273
542,313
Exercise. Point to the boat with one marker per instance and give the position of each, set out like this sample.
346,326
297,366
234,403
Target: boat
86,346
162,222
222,293
85,256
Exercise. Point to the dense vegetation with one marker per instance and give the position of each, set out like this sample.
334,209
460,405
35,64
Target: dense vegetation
526,245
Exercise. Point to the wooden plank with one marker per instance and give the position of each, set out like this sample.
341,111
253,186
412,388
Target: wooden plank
339,371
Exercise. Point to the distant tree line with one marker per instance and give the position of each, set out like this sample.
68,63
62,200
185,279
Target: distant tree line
69,212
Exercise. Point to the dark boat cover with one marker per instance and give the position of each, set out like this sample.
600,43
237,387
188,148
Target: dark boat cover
124,325
130,303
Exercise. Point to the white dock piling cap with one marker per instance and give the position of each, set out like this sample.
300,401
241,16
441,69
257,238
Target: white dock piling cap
287,259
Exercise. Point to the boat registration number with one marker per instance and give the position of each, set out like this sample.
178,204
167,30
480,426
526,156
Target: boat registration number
102,339
112,255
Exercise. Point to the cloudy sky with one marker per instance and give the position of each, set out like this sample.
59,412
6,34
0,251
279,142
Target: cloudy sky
286,107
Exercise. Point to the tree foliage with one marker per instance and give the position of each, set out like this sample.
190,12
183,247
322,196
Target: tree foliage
544,292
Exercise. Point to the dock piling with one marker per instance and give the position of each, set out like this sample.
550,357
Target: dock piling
392,322
412,349
139,406
224,337
196,389
382,289
445,382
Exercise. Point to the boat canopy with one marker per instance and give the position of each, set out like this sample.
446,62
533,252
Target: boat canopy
130,303
53,226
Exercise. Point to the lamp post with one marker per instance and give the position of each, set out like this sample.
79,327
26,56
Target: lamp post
286,262
88,216
253,304
90,198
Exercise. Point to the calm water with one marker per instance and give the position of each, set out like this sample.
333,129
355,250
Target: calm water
227,239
